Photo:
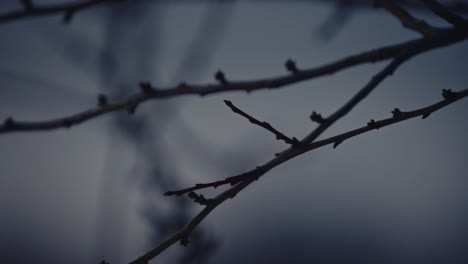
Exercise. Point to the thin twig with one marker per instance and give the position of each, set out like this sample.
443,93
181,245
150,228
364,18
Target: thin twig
261,170
280,136
441,38
345,109
406,19
65,9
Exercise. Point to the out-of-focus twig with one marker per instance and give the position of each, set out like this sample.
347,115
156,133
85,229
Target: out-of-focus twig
324,125
67,10
445,13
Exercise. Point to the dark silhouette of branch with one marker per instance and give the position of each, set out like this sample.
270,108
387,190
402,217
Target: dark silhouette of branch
280,136
325,124
440,38
445,13
407,20
397,54
253,175
398,116
67,10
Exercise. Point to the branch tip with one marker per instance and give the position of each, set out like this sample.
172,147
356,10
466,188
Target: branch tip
220,77
68,16
291,66
184,241
316,117
102,100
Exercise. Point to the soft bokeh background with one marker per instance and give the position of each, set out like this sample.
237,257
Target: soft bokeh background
397,195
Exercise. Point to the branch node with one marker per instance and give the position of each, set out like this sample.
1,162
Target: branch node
373,124
9,123
200,199
448,94
147,88
396,112
291,66
220,77
337,143
68,16
182,86
184,241
102,100
426,115
132,108
317,118
28,5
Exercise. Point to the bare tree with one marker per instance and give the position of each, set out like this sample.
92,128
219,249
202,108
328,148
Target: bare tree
140,129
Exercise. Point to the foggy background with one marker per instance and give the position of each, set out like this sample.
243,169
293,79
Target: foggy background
95,191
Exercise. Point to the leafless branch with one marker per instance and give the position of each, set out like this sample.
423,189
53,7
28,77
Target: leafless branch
251,176
325,124
432,38
441,38
65,9
398,116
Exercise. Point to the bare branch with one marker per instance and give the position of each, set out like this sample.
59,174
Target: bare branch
441,38
407,20
445,13
345,109
230,193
